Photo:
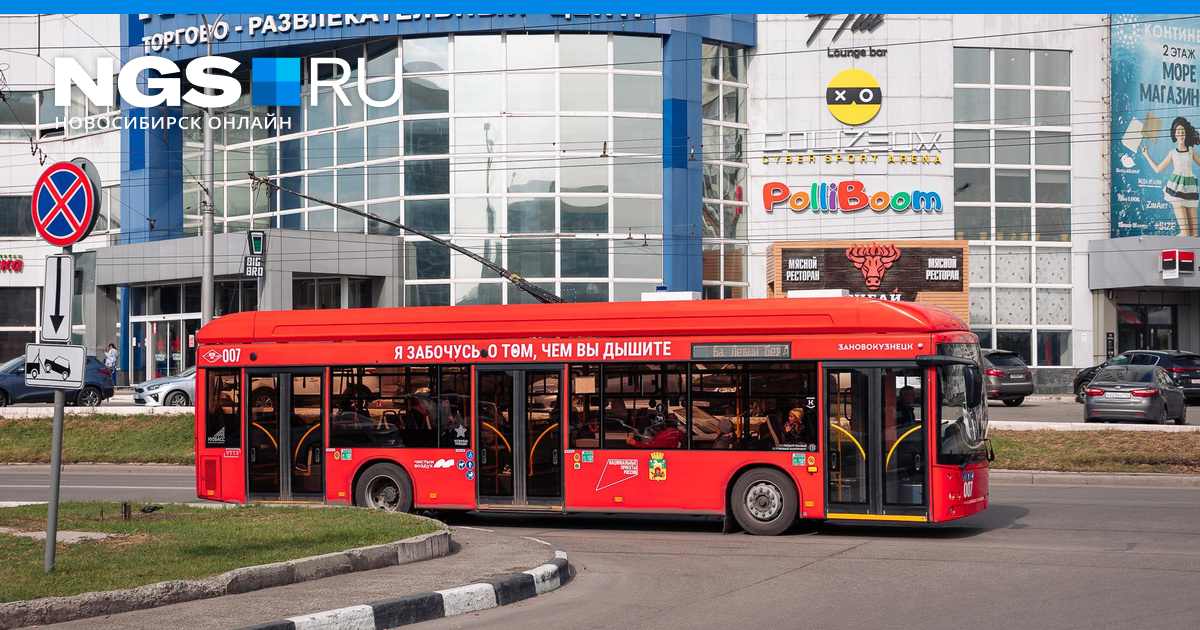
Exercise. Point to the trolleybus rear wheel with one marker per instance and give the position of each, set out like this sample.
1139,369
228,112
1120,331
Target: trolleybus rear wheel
384,487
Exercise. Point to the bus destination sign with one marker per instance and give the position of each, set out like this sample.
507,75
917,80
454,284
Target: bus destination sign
741,351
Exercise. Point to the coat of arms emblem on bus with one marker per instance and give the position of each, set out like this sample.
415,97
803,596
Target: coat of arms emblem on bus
658,466
874,261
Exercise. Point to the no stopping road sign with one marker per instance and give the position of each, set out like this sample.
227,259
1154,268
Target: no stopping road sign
64,205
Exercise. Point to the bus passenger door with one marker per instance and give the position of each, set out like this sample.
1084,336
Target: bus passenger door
285,436
876,443
518,416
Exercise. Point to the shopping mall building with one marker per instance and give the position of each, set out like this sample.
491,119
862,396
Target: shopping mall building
989,164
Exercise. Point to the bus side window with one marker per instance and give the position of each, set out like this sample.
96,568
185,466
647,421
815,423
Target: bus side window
222,409
357,418
401,407
584,411
454,407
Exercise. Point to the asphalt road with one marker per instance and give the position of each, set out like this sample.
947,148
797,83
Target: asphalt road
87,482
1047,557
1055,411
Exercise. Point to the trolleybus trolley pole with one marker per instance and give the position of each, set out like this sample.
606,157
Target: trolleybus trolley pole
542,295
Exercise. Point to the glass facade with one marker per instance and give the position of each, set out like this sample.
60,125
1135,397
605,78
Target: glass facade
541,152
1012,182
30,116
724,176
18,320
33,114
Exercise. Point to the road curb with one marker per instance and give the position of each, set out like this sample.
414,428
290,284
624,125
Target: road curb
1054,478
120,410
403,611
49,610
1022,425
1061,397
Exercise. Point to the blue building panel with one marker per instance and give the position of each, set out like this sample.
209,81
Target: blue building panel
246,31
152,177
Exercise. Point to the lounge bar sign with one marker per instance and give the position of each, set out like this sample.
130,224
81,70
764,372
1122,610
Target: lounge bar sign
913,271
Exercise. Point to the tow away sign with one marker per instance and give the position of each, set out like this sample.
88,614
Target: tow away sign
55,366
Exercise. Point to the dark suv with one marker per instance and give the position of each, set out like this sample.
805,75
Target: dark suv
97,383
1006,377
1184,368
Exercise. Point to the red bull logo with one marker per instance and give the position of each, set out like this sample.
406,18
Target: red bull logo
873,261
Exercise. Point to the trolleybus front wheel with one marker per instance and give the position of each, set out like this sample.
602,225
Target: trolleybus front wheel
384,487
764,502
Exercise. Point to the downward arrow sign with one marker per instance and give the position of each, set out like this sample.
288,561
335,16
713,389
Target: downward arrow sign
56,317
56,299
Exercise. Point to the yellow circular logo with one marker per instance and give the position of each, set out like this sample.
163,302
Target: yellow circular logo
853,96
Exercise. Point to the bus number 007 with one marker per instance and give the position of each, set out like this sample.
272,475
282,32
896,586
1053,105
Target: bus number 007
231,355
968,488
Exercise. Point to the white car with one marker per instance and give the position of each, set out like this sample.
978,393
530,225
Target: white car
173,391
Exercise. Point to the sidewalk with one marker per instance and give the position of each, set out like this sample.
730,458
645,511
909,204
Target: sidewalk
1063,397
120,404
1055,478
476,555
1017,425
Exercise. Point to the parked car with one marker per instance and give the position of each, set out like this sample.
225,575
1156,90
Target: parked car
1184,368
97,383
1134,392
1006,377
172,391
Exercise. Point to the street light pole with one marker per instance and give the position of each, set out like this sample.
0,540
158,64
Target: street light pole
206,206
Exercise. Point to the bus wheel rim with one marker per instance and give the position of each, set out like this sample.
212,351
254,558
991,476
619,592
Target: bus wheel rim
384,494
764,501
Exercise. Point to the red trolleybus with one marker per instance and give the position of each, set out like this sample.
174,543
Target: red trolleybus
765,411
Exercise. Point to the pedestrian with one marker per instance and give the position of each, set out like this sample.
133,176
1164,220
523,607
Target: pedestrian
110,358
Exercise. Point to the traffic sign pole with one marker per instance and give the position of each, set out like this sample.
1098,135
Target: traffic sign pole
64,211
60,404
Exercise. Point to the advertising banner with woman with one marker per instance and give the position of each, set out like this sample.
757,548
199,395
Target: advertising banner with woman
1155,110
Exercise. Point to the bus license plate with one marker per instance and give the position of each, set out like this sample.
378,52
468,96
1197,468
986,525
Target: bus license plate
1116,394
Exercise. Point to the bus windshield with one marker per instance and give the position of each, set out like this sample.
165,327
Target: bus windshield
962,431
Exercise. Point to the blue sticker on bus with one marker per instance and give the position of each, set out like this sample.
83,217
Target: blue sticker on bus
461,464
470,465
470,455
470,474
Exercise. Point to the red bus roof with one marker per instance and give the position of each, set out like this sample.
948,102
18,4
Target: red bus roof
611,319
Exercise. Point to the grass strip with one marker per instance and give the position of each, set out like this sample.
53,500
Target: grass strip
179,542
1110,451
108,438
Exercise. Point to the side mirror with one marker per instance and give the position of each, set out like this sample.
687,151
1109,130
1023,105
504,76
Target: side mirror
973,382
